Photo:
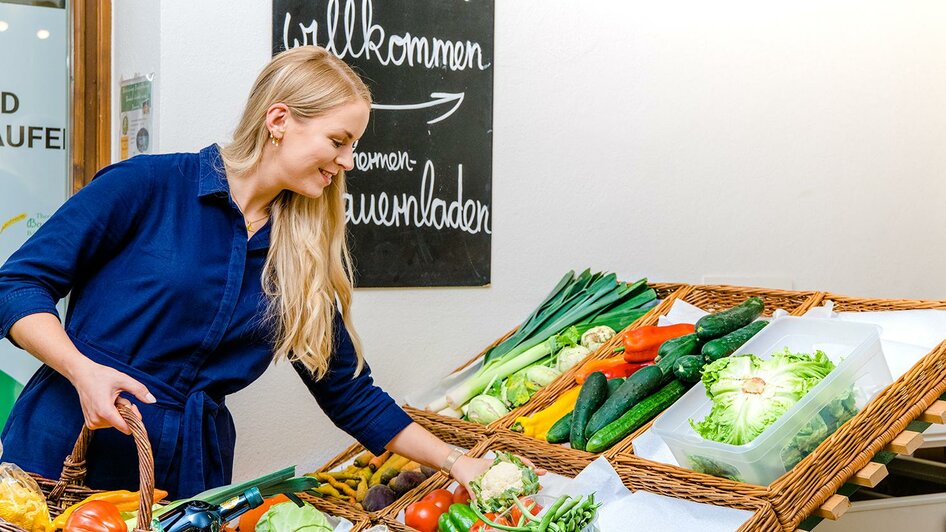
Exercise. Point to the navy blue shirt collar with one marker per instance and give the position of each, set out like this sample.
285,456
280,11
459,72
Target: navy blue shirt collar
213,182
213,176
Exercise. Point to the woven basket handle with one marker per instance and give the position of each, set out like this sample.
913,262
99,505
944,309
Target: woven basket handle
73,469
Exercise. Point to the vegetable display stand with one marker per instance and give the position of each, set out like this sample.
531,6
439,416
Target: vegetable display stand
710,298
343,508
69,489
854,455
664,292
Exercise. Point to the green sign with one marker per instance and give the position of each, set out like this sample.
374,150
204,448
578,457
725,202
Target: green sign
135,95
9,390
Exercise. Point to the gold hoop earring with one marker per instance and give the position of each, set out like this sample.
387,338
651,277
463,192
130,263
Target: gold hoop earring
274,139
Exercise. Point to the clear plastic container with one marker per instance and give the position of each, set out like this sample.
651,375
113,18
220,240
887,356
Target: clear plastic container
860,374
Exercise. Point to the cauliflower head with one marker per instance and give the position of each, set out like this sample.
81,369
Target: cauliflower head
505,481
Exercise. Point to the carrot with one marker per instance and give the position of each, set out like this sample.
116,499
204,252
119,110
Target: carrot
376,462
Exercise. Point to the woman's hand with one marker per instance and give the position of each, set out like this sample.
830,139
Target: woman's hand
466,469
99,388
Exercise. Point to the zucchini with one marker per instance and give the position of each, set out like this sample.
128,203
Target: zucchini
642,383
561,430
727,345
726,321
674,348
593,393
636,417
687,369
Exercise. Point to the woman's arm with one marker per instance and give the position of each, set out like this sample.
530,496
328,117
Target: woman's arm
416,443
82,234
98,386
363,410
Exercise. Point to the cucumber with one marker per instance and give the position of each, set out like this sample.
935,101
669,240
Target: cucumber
561,430
687,369
593,393
614,384
727,345
674,348
726,321
642,383
636,417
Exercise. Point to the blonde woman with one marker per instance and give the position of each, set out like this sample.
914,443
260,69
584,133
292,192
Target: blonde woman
189,273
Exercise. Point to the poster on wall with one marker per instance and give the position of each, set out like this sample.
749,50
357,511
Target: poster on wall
419,202
33,147
137,128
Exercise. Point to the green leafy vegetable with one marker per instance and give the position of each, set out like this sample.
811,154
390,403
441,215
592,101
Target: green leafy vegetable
576,305
749,394
287,517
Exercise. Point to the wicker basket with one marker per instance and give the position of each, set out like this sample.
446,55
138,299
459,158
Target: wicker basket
664,291
762,520
798,493
709,298
446,432
69,489
360,526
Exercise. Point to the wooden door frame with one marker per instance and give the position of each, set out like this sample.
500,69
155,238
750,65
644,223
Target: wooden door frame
91,72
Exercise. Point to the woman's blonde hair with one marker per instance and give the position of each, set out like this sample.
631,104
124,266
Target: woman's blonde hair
308,268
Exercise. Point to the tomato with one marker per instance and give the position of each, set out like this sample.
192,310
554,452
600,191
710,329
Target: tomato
96,516
423,516
460,495
442,498
516,513
479,525
250,518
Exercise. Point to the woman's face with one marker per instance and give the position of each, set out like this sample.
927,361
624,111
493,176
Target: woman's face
313,150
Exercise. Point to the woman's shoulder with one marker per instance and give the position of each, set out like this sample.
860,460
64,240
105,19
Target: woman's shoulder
153,172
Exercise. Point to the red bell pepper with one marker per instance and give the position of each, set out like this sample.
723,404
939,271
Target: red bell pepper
641,344
611,367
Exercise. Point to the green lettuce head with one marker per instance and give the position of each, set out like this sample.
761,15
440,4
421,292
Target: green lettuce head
287,517
749,394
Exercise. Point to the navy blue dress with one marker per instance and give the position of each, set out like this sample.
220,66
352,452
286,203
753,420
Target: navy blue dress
165,287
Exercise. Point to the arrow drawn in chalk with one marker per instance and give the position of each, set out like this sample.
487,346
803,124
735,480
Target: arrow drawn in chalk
439,98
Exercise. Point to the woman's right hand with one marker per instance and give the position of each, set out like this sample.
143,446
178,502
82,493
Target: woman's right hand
99,388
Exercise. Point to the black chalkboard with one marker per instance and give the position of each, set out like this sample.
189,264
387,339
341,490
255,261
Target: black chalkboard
420,197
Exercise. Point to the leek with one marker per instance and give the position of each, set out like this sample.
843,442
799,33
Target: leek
460,394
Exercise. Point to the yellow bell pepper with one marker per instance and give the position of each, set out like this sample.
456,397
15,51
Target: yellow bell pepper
124,500
538,424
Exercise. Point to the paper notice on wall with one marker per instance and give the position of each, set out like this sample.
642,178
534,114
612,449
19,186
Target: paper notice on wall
137,126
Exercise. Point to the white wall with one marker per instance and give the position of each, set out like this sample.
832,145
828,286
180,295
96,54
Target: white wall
798,141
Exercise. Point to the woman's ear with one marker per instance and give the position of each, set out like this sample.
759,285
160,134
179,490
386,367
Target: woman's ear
276,117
